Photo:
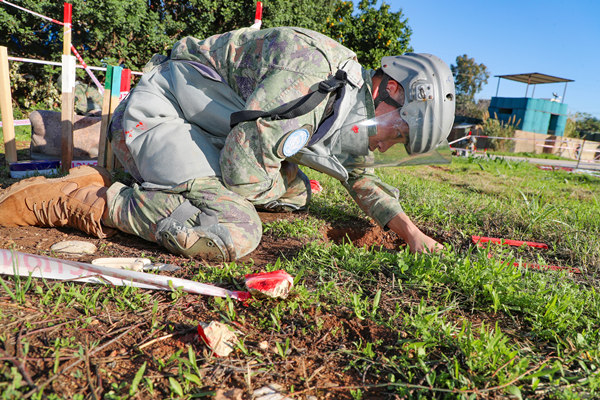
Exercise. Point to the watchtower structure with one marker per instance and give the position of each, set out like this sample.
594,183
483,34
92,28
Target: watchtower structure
546,116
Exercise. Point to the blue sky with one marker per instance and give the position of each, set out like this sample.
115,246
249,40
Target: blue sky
554,37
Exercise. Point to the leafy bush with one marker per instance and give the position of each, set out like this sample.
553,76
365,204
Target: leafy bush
128,33
496,128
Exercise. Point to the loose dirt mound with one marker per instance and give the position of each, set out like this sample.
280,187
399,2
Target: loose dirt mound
368,236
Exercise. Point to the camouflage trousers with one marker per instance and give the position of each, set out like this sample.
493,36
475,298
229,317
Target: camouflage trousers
137,211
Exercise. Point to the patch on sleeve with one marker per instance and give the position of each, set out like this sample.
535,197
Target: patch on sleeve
294,141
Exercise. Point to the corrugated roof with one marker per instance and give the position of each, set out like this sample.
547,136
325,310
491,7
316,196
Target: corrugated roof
534,78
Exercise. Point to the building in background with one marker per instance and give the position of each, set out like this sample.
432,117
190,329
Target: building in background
545,116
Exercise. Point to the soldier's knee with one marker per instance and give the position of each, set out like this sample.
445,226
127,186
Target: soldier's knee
207,243
210,239
247,234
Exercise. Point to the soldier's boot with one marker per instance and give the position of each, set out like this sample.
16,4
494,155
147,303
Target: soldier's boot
77,200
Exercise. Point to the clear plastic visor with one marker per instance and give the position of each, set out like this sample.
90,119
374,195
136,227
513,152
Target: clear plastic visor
388,135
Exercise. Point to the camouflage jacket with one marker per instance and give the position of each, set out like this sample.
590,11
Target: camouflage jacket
88,100
270,67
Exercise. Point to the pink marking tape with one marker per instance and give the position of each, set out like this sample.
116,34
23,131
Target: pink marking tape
34,13
87,69
19,122
23,264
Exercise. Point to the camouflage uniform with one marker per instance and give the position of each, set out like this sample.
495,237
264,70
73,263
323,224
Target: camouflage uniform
88,100
173,134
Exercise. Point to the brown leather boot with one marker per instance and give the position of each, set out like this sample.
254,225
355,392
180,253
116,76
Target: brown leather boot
77,200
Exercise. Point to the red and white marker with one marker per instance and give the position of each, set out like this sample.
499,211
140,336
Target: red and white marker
315,186
276,284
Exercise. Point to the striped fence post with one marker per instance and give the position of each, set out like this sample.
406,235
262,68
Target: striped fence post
8,128
67,98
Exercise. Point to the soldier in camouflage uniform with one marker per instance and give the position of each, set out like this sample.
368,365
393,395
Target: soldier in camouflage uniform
88,100
201,175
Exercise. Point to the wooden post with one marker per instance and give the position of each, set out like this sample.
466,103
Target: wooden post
105,117
67,98
8,127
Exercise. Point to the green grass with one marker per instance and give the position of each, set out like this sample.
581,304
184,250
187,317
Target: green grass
295,228
527,154
464,323
22,133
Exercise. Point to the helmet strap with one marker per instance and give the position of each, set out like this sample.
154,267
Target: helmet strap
383,95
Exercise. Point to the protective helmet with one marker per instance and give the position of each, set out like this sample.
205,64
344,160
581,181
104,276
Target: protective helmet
429,98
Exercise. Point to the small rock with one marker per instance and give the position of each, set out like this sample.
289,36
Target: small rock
229,394
131,263
264,345
270,392
74,247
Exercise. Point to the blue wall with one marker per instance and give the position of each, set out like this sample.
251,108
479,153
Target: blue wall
532,115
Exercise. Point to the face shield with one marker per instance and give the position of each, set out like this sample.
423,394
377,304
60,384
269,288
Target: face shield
383,141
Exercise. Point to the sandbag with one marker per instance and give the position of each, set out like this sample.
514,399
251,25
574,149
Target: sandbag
46,135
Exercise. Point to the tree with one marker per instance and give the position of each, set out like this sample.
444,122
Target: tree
104,32
371,32
469,76
586,123
129,32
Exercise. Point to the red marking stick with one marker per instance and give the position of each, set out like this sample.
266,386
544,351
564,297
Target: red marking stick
480,240
550,267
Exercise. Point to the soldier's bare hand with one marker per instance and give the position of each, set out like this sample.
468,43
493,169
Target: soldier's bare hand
417,241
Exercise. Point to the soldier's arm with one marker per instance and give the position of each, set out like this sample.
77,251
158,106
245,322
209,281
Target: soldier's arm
380,201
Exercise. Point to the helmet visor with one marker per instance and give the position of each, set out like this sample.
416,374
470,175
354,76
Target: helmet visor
388,140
